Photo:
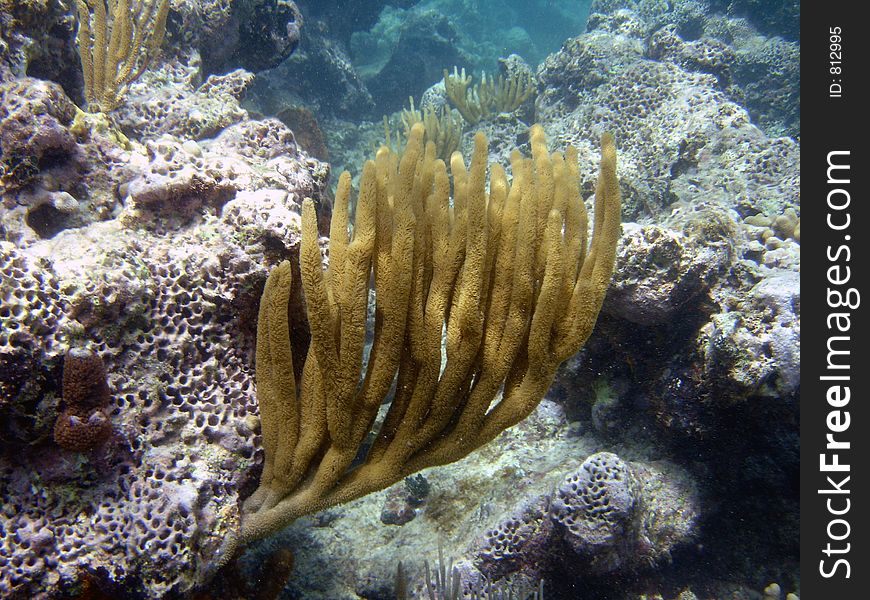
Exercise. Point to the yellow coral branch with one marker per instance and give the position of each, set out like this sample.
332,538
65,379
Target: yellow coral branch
504,273
491,95
116,44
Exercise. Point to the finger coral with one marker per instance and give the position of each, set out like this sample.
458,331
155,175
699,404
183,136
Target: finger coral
442,127
502,94
506,274
117,40
82,424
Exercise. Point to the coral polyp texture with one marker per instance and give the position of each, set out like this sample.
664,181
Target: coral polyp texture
142,508
135,246
595,504
612,514
82,423
135,488
173,100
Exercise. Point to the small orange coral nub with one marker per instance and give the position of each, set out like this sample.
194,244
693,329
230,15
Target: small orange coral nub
72,432
82,424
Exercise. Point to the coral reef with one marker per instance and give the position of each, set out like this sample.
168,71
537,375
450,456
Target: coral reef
170,101
147,496
157,505
145,238
658,110
611,514
757,69
685,139
37,39
180,178
160,296
35,117
45,169
664,269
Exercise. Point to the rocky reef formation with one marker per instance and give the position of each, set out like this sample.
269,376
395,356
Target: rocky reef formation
144,238
151,256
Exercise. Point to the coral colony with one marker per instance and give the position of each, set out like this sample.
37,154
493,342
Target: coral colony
404,301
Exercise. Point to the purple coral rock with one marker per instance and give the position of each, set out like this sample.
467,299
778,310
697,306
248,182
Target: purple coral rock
595,504
612,514
519,542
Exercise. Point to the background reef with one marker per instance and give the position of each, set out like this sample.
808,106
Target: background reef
662,464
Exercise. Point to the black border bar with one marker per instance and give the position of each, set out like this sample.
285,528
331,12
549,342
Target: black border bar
835,248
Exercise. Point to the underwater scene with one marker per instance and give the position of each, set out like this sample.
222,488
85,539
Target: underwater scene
399,299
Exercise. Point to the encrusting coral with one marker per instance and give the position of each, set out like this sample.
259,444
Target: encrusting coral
506,274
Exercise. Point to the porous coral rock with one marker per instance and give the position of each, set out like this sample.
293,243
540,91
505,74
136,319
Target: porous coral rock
522,539
742,169
152,510
681,136
595,504
171,100
179,180
663,270
173,315
768,72
759,70
584,63
706,55
35,139
613,515
36,38
74,162
657,112
756,344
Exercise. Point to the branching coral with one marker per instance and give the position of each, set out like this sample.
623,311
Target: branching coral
442,127
116,42
505,273
490,95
